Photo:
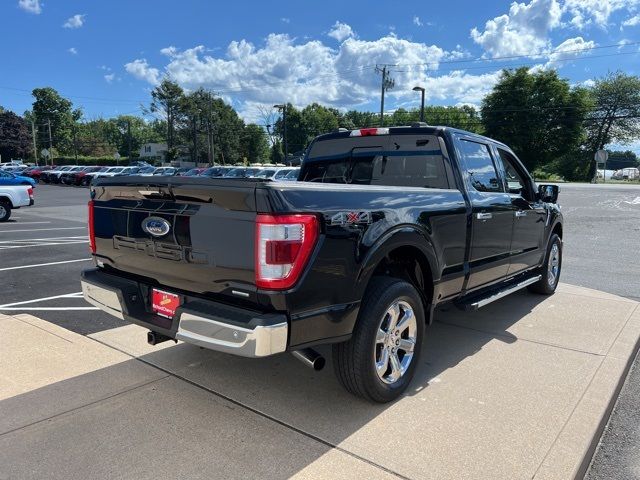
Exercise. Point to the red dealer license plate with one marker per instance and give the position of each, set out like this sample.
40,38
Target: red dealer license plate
164,303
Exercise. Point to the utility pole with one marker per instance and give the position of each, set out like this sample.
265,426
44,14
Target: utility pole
75,143
33,136
129,140
386,84
195,141
50,142
283,109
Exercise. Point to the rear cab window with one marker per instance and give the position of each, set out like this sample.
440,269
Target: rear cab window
392,160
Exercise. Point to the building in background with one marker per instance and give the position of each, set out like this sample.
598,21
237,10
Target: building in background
152,152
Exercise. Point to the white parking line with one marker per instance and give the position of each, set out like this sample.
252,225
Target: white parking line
8,247
46,309
67,295
43,229
41,242
44,264
45,239
22,223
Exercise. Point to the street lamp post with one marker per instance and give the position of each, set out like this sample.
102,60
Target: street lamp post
283,109
421,90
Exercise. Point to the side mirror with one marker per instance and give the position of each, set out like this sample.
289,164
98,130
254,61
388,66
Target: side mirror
548,193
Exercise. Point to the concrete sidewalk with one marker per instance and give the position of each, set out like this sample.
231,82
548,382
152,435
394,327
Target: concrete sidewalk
519,389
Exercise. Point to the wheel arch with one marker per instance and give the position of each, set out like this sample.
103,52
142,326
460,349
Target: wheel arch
6,199
404,253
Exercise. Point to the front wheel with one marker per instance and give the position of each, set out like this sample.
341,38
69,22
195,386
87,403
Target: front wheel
551,268
380,359
5,211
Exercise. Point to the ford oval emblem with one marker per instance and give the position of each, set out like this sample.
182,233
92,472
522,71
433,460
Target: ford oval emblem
156,226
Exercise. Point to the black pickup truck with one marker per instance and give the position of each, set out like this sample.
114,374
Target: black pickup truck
383,225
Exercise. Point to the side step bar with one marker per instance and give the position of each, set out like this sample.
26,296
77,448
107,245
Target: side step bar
477,302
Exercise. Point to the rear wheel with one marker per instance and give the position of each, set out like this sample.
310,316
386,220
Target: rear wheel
5,211
551,268
380,359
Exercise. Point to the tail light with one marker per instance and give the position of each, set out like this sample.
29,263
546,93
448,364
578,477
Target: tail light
30,192
283,246
92,233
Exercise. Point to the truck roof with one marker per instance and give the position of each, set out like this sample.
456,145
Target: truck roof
414,129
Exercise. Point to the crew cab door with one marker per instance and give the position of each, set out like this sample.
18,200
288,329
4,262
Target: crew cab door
529,213
492,214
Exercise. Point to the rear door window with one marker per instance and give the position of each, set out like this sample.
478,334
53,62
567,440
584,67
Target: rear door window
480,167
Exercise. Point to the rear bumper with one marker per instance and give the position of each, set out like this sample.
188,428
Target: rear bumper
205,323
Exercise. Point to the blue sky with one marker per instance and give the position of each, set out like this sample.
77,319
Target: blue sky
107,55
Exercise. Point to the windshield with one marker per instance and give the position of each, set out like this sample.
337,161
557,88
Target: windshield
293,174
236,173
281,173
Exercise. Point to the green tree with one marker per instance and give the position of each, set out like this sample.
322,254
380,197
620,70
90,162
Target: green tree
167,99
616,112
255,147
537,114
15,136
306,124
50,108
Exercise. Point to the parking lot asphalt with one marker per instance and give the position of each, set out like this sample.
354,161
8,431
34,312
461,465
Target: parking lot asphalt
44,248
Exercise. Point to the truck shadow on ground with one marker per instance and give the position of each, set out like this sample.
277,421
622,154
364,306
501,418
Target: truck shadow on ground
231,410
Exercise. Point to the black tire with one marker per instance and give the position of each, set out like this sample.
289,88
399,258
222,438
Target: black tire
85,182
354,362
552,262
5,211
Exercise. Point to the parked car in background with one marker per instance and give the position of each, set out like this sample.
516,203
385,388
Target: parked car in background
292,176
266,173
282,173
241,172
9,178
12,197
76,177
36,171
217,171
192,172
50,176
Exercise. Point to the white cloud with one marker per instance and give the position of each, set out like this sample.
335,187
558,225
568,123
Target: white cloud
523,30
417,21
632,21
585,13
341,31
301,73
73,51
285,20
568,50
139,68
110,77
31,6
74,22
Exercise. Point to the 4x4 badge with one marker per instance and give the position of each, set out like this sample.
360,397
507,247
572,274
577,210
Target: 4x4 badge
351,218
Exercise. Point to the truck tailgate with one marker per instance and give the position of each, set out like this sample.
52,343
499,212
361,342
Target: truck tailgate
190,234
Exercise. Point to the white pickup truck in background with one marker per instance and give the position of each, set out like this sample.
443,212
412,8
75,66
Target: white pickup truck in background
14,196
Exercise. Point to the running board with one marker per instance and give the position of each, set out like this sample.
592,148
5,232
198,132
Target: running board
476,303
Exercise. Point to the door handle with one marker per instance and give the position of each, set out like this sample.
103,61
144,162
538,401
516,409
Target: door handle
521,213
484,216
